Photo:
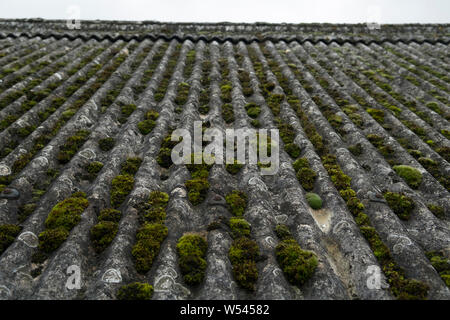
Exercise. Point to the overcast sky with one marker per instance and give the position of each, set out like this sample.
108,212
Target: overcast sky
295,11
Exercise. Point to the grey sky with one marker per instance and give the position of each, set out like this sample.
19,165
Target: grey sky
295,11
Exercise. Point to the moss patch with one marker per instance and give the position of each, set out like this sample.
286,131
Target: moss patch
71,146
438,211
234,168
151,234
314,200
135,291
8,232
121,186
411,175
239,227
237,202
191,250
400,204
243,254
298,265
106,144
149,239
147,125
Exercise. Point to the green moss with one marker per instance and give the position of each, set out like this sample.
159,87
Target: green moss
131,166
438,261
412,289
292,150
411,175
274,102
93,168
164,158
25,211
298,265
255,123
110,214
121,186
253,110
438,211
155,215
239,227
427,162
400,204
127,110
234,168
356,149
106,144
102,234
377,114
300,163
237,202
158,198
226,93
67,213
197,190
228,113
71,146
376,140
51,239
434,106
183,92
8,232
191,249
379,249
146,126
149,238
446,133
135,291
204,109
282,231
314,200
307,177
243,254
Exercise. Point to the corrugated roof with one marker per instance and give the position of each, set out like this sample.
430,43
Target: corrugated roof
84,119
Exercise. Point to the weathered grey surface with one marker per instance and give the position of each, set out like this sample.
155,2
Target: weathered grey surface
343,253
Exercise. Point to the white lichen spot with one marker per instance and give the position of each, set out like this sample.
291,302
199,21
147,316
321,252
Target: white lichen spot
5,293
341,226
270,241
4,170
179,192
29,239
164,283
88,154
40,162
281,218
112,276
